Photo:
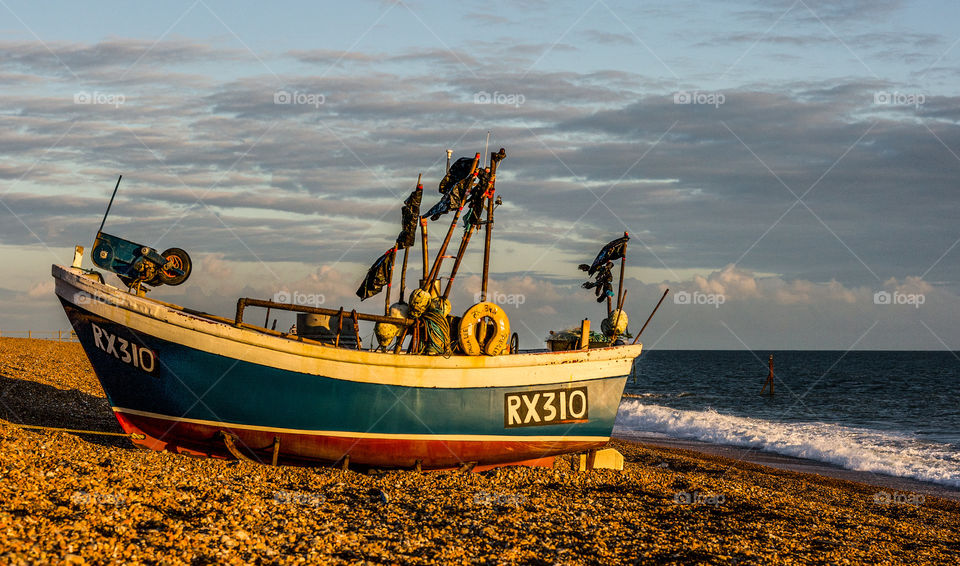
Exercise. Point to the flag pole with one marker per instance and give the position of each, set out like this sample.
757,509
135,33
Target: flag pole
406,253
426,256
386,296
495,159
623,264
435,269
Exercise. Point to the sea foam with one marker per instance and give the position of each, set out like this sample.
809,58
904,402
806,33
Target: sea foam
852,448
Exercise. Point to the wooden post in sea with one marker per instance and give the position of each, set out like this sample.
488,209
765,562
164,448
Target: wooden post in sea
769,378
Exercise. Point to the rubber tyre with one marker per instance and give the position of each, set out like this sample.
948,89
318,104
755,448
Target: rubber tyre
181,261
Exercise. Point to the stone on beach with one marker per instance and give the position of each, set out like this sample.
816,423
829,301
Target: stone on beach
69,498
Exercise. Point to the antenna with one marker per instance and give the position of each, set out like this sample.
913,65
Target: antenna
109,205
486,148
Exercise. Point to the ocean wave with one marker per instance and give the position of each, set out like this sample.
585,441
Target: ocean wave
852,448
657,395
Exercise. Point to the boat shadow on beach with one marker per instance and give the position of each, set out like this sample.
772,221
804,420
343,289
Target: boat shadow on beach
24,402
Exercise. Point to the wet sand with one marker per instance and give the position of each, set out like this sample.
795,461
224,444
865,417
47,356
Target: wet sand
794,464
70,498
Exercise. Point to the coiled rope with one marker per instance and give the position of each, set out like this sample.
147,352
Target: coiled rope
437,333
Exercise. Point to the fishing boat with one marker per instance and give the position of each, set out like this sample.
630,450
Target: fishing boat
185,381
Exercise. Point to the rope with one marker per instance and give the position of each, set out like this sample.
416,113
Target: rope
437,333
53,428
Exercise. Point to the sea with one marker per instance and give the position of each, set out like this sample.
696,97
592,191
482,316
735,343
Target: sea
890,413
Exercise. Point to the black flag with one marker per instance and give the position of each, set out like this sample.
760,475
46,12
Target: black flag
454,187
377,276
610,252
458,172
411,214
476,199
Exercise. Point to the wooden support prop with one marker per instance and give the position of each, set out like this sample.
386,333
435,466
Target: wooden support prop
266,321
769,378
495,159
417,466
345,463
276,450
591,459
435,269
231,440
467,467
585,334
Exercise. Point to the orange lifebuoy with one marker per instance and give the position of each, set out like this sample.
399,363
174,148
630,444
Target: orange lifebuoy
497,343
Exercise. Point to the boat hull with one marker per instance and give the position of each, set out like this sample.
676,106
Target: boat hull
183,380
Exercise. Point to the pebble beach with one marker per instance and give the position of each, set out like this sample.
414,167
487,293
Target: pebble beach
78,498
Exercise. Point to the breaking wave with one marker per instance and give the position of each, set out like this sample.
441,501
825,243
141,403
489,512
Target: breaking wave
853,448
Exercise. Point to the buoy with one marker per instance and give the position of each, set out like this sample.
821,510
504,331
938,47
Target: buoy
386,331
496,344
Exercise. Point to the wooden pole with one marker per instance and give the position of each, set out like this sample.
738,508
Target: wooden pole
456,263
403,276
406,254
585,334
623,264
651,316
386,298
435,269
495,159
769,378
423,244
616,323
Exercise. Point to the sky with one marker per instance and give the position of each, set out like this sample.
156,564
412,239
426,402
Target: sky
787,168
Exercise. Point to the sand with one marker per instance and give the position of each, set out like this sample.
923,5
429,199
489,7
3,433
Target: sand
70,498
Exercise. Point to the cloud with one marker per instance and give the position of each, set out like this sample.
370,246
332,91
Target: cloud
270,194
41,289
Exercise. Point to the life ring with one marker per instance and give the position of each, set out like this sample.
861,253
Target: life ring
496,344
